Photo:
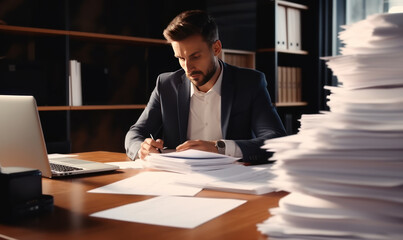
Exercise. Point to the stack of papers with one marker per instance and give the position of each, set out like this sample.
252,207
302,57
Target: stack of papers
237,178
189,161
344,168
213,171
174,205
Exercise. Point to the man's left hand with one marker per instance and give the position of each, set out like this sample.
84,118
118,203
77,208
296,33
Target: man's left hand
208,146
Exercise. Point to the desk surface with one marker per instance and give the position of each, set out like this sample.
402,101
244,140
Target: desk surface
73,205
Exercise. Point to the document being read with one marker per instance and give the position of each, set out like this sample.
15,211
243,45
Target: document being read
172,211
190,161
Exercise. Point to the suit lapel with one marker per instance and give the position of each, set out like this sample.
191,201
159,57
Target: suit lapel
183,107
227,92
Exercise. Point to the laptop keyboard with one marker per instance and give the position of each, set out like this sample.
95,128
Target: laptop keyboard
63,168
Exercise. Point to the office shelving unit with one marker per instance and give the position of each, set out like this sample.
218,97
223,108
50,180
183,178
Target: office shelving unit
269,58
121,42
240,58
85,36
120,61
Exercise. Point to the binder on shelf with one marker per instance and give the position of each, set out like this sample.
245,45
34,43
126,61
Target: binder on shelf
294,28
279,85
288,84
284,87
281,28
293,85
75,91
240,58
299,82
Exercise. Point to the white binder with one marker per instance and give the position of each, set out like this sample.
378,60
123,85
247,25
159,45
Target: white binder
75,90
281,28
294,28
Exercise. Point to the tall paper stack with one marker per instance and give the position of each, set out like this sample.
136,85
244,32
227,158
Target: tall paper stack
344,169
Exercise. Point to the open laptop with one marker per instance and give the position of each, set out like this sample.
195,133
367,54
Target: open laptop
22,143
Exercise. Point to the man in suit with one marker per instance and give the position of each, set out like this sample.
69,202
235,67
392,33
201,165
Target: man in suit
207,105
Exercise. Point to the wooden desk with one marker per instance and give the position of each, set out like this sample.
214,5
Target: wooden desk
73,205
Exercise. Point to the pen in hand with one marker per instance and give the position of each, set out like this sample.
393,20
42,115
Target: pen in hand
159,150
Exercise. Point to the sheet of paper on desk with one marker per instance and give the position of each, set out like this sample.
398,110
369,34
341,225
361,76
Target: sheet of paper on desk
58,155
149,183
172,211
237,178
138,164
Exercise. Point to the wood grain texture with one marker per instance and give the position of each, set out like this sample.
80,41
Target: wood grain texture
73,205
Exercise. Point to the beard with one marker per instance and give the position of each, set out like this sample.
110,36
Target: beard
203,78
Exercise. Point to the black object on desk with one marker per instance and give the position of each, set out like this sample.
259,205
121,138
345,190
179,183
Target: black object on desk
21,194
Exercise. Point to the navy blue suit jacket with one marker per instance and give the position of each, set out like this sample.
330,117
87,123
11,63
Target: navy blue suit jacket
247,114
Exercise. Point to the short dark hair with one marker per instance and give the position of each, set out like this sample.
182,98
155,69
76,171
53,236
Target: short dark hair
189,23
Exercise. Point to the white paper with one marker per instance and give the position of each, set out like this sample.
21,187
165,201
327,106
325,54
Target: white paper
58,155
138,164
344,168
180,212
189,161
323,229
375,180
192,154
149,183
339,207
237,178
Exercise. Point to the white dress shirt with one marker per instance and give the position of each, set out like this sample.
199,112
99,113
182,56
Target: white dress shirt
205,117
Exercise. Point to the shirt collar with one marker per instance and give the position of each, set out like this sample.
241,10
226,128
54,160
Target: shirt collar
216,88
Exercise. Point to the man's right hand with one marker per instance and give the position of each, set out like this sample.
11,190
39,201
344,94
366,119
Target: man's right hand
150,146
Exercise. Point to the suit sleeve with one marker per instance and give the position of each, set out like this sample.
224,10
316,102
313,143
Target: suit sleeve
148,123
265,124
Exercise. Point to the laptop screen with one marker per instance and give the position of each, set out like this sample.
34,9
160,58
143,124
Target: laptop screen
21,140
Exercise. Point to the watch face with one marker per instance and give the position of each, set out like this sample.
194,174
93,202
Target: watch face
221,144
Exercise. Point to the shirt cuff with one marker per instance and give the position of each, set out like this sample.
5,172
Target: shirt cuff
232,149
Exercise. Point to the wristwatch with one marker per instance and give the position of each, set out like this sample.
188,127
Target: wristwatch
220,145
